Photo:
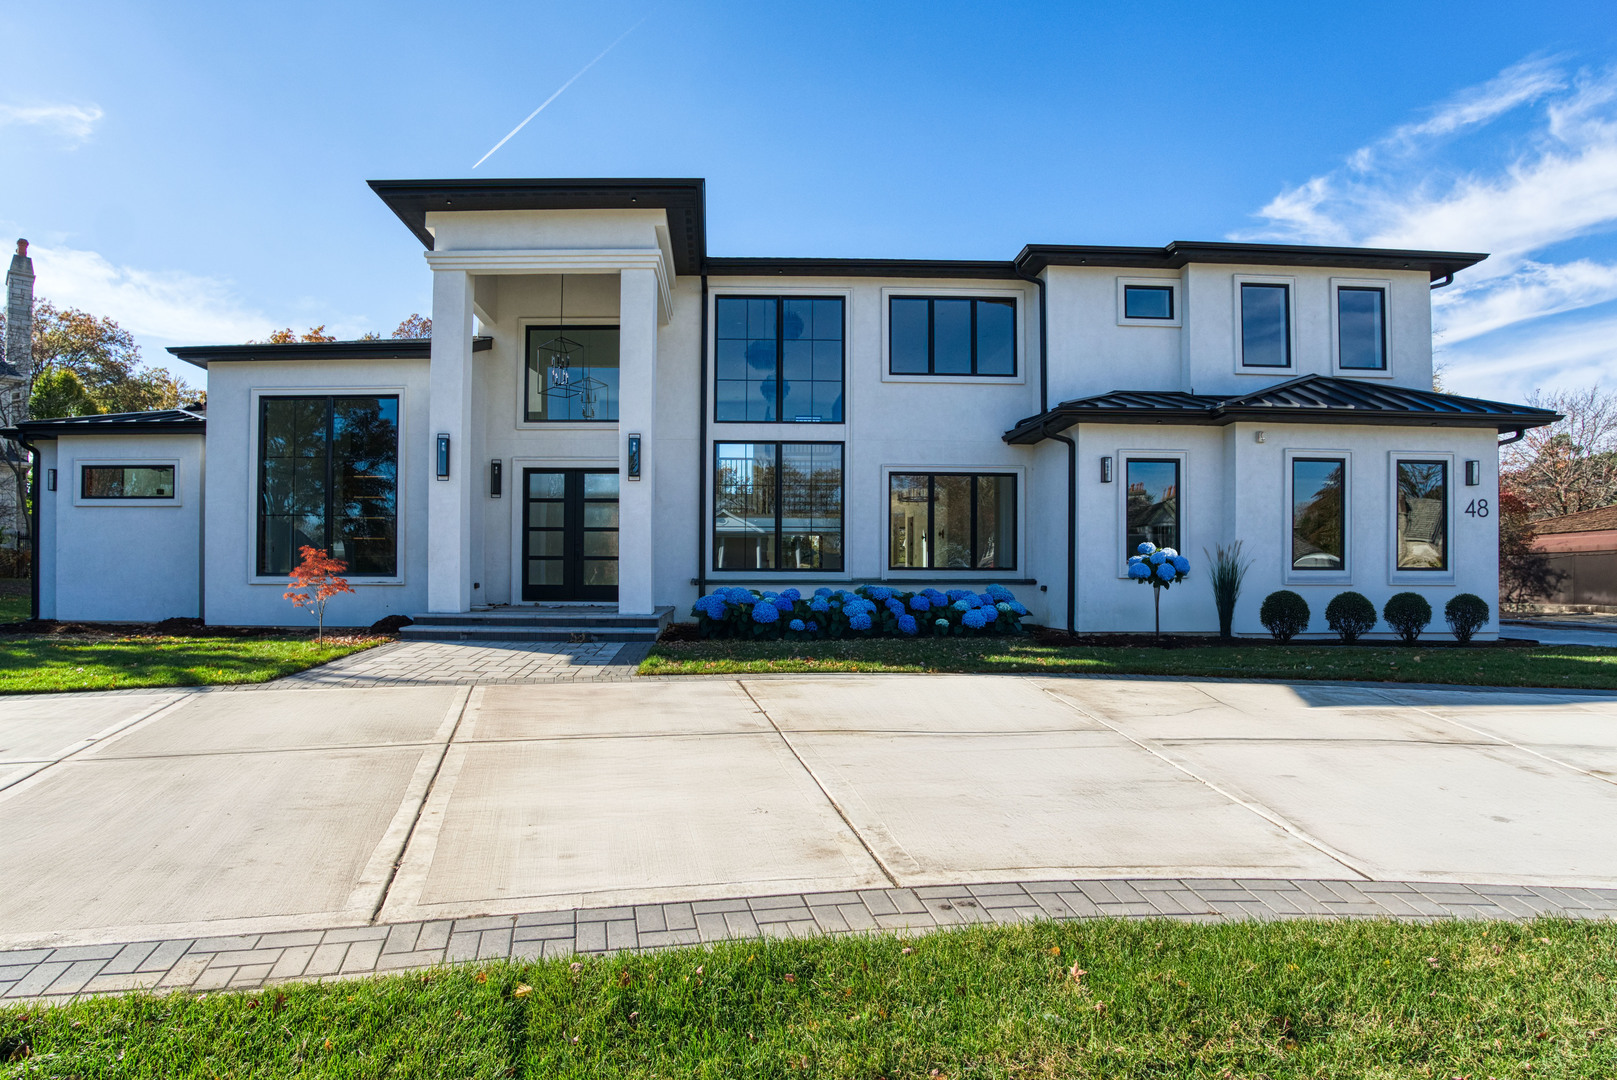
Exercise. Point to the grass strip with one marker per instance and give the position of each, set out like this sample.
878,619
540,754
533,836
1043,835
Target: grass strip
1075,999
1561,666
36,663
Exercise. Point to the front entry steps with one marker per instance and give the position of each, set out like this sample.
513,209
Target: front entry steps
543,622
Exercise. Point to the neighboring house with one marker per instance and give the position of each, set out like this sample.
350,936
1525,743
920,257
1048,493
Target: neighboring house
1582,548
606,413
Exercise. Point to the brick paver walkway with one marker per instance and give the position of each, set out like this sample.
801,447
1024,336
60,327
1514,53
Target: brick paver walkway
252,960
416,663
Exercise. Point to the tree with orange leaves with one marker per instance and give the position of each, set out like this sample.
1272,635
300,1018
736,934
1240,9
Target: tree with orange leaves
319,577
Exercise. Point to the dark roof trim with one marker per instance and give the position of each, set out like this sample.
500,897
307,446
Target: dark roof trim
1437,264
161,422
684,200
1311,399
382,349
898,268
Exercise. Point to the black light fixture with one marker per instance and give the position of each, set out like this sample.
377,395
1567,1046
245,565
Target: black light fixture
558,355
1473,473
443,455
495,478
1106,469
634,455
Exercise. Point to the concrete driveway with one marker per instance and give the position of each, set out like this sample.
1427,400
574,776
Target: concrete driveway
128,817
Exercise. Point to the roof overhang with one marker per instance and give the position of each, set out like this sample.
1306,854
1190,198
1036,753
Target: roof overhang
889,268
380,349
160,422
1436,264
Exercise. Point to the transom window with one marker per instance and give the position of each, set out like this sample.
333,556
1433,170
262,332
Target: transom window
951,521
1422,508
951,336
328,470
777,506
778,358
1152,503
1148,302
126,482
1318,513
572,374
1361,327
1265,325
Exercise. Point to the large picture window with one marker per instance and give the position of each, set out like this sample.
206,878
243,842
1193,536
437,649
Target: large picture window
951,336
1152,503
1361,328
1318,513
1423,510
133,482
328,472
1265,325
777,506
572,374
951,521
778,358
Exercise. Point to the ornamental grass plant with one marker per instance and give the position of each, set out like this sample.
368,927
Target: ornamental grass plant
1226,571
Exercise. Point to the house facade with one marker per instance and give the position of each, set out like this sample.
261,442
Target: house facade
606,414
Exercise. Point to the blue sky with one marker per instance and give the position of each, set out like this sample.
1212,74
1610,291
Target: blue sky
197,171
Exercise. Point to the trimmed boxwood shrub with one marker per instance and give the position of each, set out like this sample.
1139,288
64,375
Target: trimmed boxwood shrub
1284,614
868,611
1466,614
1350,614
1408,614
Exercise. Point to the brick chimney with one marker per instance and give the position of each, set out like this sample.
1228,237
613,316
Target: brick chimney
19,345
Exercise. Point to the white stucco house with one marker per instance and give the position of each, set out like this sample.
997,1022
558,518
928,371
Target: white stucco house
606,414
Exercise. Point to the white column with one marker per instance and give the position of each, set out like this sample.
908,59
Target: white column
637,405
449,502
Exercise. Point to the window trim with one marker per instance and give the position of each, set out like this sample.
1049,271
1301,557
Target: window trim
778,295
1172,284
932,472
1019,339
1396,575
1241,366
1385,287
1123,457
1290,575
407,465
931,337
729,572
78,465
524,325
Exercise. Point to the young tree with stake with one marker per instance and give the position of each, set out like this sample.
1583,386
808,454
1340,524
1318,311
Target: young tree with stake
319,577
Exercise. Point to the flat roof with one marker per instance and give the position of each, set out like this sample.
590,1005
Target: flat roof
379,349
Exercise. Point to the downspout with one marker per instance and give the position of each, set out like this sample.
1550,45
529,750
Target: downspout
1044,348
1520,434
33,530
1072,529
701,461
1447,279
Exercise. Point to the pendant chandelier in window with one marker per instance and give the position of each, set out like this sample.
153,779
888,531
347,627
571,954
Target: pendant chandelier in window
559,356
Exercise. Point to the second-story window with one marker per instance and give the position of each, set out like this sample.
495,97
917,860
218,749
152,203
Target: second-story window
1361,328
1148,302
951,336
778,358
1265,325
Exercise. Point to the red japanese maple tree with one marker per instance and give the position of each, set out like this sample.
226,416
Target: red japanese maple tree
315,581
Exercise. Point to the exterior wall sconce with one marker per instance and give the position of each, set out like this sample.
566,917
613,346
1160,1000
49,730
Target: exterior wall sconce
50,479
1473,473
1106,469
634,455
1259,435
443,455
496,476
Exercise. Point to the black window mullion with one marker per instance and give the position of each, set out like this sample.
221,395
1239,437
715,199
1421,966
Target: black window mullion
931,347
972,503
331,421
931,503
780,372
973,332
780,494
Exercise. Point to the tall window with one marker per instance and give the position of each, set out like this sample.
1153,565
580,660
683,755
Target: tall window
777,506
947,336
1422,509
572,373
328,472
951,521
1318,513
1361,328
1265,325
778,358
1153,503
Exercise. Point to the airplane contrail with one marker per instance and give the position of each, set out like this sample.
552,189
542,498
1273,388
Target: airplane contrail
564,86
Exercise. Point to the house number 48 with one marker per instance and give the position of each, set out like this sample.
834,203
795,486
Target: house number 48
1477,508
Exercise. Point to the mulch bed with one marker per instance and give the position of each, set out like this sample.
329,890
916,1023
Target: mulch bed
1045,635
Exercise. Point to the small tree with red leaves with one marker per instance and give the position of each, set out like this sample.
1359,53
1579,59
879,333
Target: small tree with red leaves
315,581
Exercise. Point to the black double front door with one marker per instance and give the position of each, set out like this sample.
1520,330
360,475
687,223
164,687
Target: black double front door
570,534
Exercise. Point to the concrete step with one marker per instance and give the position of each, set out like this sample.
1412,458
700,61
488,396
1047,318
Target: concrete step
543,623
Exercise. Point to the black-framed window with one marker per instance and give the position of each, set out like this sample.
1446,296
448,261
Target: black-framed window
328,477
1423,512
777,506
1361,327
949,335
1318,513
1265,325
778,358
571,374
126,482
951,521
1148,301
1152,500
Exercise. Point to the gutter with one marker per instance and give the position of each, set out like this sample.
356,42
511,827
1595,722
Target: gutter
1072,529
701,460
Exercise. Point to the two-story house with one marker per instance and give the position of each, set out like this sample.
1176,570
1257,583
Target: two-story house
606,414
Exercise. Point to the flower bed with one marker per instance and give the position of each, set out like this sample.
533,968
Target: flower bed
868,611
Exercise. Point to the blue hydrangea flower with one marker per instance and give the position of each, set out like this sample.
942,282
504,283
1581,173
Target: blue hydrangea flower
1140,571
770,595
711,606
1135,559
765,612
895,605
791,594
1003,607
1157,558
822,591
734,594
814,627
1166,572
1017,607
941,624
795,624
919,602
1146,548
860,621
961,605
819,603
1180,563
984,600
906,624
783,604
879,592
1168,551
999,593
834,605
937,598
975,619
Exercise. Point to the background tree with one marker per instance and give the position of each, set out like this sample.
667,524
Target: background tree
1568,466
416,326
104,358
1525,574
58,392
289,336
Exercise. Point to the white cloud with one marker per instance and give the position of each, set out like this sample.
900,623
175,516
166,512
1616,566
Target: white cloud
74,121
1511,364
1535,290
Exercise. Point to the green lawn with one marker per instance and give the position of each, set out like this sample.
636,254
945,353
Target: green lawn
1570,666
1155,999
36,663
15,608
